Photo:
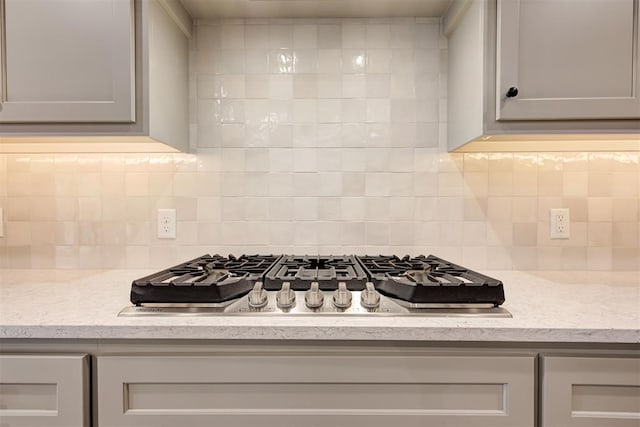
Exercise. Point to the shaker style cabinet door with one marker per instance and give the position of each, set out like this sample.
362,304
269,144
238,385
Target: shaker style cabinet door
567,59
316,391
67,61
590,392
44,390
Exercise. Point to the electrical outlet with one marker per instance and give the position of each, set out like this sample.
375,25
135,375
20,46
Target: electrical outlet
559,223
166,223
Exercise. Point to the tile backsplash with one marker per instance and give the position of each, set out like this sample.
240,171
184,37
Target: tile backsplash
320,136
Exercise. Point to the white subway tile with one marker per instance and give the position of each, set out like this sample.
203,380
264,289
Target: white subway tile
354,86
329,135
305,86
378,86
256,36
280,36
232,36
352,208
352,233
280,208
329,160
402,209
304,160
329,36
329,210
329,111
378,110
353,184
229,61
305,208
378,35
329,86
353,110
280,86
377,208
305,61
354,61
329,61
281,61
305,35
353,35
377,233
378,61
402,35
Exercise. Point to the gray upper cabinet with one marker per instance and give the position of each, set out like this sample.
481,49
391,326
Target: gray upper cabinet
567,59
95,76
543,75
68,61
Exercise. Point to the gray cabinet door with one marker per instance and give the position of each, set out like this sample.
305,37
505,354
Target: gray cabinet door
44,390
568,59
590,392
67,61
316,391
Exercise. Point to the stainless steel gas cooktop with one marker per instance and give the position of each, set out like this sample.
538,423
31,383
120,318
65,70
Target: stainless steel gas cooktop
317,285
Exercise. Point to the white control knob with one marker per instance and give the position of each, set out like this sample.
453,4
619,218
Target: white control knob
258,296
314,297
370,298
285,297
342,296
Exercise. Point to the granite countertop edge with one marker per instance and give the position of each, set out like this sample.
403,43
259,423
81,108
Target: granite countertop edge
263,333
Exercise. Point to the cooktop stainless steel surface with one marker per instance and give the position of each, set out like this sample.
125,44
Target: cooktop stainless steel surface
345,285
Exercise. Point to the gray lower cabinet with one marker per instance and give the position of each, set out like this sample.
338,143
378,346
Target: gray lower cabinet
590,392
44,390
316,391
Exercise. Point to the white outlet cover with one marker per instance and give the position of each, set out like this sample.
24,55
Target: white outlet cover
166,224
559,223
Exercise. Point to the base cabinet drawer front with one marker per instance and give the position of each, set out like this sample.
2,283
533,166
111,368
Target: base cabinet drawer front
316,391
590,392
44,390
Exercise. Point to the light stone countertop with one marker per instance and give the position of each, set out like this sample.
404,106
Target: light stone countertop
568,307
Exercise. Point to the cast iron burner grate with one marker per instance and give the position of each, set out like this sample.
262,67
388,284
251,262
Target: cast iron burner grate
431,280
206,279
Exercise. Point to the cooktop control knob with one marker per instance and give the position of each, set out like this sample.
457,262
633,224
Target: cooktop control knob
314,297
286,297
257,296
370,298
342,296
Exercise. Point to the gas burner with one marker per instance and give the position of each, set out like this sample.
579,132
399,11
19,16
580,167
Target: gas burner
328,271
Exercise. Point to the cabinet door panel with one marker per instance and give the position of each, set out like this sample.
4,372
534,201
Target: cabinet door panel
315,391
568,59
44,390
68,61
590,392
